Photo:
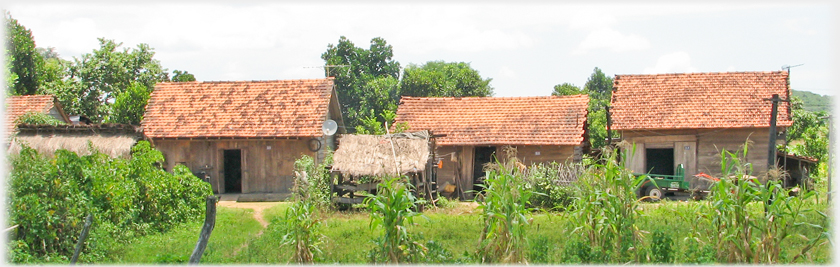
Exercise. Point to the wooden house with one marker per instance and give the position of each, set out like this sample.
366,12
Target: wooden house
19,105
688,118
245,135
471,130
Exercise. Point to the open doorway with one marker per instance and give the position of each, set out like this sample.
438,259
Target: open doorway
482,156
660,161
233,170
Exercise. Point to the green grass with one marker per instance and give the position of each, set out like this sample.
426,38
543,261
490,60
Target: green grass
233,228
348,236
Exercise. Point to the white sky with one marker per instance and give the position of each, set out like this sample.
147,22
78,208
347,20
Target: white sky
526,48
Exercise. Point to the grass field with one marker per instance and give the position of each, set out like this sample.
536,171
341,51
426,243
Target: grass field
348,237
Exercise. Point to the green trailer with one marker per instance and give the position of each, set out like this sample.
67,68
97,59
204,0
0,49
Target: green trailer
658,185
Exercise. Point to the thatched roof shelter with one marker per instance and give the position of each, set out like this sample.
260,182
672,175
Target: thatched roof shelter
114,140
372,155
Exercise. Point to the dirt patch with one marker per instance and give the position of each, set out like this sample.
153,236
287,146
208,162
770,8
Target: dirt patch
258,208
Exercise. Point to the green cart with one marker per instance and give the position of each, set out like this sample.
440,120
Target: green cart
659,185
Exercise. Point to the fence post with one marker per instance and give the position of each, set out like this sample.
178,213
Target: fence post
82,237
209,223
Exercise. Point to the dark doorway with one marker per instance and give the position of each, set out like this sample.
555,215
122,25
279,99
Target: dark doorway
660,161
233,170
482,155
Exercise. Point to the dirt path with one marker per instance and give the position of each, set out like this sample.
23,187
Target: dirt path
258,208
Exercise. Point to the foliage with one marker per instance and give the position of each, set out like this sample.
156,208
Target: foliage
553,184
446,79
312,182
750,220
605,212
25,61
363,77
302,231
391,209
661,247
129,107
567,89
11,77
32,117
599,87
504,210
182,76
50,197
808,136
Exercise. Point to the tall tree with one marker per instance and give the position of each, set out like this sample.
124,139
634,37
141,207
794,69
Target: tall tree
438,78
567,89
101,76
25,60
599,87
359,75
129,106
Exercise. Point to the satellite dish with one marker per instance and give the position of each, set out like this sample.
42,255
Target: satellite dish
330,127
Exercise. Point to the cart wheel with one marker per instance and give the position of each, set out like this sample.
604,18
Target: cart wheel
654,193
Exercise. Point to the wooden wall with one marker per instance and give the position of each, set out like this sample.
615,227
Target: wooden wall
267,164
706,145
458,160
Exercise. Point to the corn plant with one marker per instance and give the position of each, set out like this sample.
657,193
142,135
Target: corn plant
605,212
749,219
392,208
504,210
302,232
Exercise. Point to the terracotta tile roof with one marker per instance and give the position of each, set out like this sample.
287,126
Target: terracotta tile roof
551,120
698,100
287,108
18,105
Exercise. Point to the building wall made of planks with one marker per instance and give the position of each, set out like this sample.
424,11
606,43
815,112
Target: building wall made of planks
267,164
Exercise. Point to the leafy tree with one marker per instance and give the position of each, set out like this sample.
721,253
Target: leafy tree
11,77
599,87
98,78
24,59
808,136
182,76
566,89
359,75
449,79
129,106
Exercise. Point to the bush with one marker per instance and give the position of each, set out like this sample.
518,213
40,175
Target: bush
553,184
32,117
313,181
49,198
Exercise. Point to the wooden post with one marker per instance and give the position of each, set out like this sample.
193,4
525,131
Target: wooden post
609,122
209,223
771,150
82,237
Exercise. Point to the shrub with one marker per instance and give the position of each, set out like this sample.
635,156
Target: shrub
314,181
49,198
32,117
553,184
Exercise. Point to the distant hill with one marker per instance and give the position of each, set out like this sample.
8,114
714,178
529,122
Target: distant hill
813,102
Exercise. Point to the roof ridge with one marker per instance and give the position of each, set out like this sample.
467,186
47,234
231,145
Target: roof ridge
704,73
253,81
491,97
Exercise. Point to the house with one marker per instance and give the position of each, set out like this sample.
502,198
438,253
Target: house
114,140
16,106
688,118
471,130
244,135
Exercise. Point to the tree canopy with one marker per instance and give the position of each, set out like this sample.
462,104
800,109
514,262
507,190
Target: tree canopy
364,78
446,79
567,89
23,58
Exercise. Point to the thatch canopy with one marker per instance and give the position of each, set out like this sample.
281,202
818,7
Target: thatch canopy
114,140
372,155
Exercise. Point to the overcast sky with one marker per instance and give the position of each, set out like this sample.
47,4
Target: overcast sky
525,48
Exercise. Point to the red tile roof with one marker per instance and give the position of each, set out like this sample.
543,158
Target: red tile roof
287,108
551,120
698,100
19,105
